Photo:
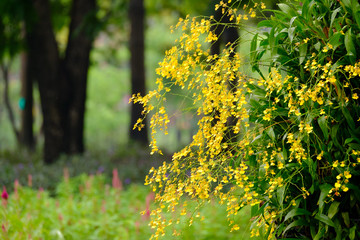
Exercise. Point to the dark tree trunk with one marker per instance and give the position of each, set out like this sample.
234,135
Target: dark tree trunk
231,36
227,36
44,56
27,118
137,38
61,82
76,64
218,30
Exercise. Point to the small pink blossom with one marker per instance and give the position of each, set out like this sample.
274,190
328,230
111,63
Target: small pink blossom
116,183
40,192
16,188
149,198
4,194
66,175
29,180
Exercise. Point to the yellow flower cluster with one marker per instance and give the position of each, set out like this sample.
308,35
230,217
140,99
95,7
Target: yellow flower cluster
212,164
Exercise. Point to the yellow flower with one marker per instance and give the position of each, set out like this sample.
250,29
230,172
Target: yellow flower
332,79
320,155
355,96
235,228
335,164
347,174
308,128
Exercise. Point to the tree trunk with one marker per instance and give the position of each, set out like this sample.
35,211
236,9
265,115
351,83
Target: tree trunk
231,35
44,57
61,82
76,64
27,118
137,66
227,35
5,75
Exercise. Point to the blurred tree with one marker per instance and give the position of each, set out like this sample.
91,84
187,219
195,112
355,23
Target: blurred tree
61,79
26,104
11,32
137,66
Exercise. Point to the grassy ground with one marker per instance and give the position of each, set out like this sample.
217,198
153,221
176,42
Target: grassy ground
89,207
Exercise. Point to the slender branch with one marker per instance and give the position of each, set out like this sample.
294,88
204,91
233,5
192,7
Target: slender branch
5,72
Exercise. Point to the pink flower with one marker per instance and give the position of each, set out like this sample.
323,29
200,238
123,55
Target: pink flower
149,198
4,194
116,182
16,188
29,180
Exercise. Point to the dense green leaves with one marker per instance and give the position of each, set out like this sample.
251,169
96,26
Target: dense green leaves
302,38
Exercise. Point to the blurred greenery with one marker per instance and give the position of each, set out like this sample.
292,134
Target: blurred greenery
89,207
107,114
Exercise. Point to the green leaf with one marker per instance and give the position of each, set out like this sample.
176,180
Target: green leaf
312,231
348,118
350,47
333,16
320,234
254,210
272,41
325,188
287,9
357,18
281,195
253,47
299,222
334,136
324,128
338,229
336,40
296,212
270,132
302,52
265,23
325,219
291,33
307,8
354,146
348,140
345,216
333,209
352,233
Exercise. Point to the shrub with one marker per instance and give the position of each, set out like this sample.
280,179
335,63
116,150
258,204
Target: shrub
295,152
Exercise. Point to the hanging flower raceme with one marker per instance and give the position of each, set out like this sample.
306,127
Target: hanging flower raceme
293,141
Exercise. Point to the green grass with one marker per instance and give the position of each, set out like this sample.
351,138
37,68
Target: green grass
89,207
